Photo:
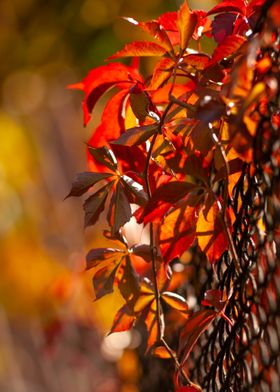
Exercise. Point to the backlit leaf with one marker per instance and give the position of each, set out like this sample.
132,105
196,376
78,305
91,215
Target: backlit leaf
128,281
84,181
103,280
198,61
176,301
142,250
214,298
195,326
161,352
186,24
101,79
177,232
161,73
140,48
136,136
94,205
238,6
228,47
123,320
211,236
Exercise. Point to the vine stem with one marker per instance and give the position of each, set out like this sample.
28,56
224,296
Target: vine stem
160,324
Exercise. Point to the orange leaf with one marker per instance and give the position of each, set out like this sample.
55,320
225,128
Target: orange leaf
228,47
140,48
177,232
176,301
211,237
162,73
186,24
123,320
161,352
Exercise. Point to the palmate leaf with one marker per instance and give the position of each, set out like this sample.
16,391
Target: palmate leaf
177,232
161,73
128,282
84,181
123,320
210,232
100,80
176,301
186,23
198,61
134,191
137,135
119,210
140,48
104,156
230,45
95,204
97,255
154,29
103,280
193,329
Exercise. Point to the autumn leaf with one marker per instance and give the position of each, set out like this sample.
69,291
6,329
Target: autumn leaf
136,136
174,300
100,80
103,280
230,45
212,238
123,320
238,6
161,352
186,24
119,209
140,48
161,73
177,232
84,181
95,204
97,255
195,326
134,191
104,156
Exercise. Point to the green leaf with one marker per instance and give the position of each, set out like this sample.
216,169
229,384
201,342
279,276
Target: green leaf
94,205
105,156
136,135
84,181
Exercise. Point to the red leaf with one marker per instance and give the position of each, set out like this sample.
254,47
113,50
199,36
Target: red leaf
199,61
162,73
84,181
177,232
128,281
95,204
223,26
228,47
168,21
140,48
214,298
119,210
123,320
163,198
154,29
195,326
189,389
137,135
112,123
238,6
101,79
186,24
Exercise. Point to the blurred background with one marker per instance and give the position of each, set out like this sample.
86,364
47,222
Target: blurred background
51,331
